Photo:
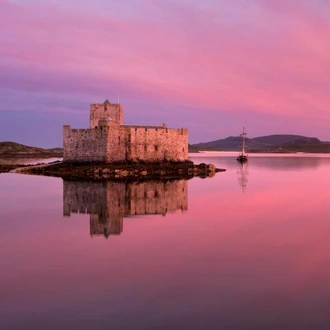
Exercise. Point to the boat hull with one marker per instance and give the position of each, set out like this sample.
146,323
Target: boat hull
242,158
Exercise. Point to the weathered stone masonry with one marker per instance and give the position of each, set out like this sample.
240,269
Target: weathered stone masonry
108,140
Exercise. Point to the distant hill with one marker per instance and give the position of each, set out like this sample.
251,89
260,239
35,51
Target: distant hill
269,143
8,148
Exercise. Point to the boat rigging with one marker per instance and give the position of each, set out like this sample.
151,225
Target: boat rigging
242,157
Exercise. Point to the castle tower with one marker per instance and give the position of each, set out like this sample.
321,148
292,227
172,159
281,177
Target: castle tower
105,111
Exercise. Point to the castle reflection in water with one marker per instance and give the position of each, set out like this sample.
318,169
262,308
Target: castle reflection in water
109,202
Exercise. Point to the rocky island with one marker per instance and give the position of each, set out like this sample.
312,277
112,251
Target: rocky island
120,171
110,150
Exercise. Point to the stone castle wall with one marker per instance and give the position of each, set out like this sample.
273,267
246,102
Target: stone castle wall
156,144
107,140
112,111
116,144
85,145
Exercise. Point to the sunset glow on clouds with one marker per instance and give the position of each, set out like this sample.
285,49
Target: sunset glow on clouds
211,66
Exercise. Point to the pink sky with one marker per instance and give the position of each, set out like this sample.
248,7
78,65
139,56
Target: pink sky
211,66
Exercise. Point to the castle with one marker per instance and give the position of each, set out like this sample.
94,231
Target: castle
109,141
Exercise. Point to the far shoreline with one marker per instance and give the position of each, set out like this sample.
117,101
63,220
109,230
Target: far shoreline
40,155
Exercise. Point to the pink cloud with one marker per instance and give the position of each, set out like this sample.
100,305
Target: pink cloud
270,57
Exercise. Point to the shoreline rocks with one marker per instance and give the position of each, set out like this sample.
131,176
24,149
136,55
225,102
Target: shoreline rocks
120,171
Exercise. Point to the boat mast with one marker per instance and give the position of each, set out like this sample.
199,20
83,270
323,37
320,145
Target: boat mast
243,135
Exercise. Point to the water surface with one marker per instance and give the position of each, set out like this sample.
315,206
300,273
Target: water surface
246,249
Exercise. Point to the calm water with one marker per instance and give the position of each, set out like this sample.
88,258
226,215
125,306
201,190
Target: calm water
246,249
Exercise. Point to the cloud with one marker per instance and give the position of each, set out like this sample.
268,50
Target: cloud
270,58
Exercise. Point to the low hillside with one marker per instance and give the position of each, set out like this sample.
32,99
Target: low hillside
270,143
8,148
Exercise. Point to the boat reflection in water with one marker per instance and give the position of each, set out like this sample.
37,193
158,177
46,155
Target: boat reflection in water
242,175
109,202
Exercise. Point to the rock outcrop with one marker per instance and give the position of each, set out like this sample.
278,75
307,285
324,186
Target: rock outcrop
122,171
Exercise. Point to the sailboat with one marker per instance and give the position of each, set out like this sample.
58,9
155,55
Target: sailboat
242,157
